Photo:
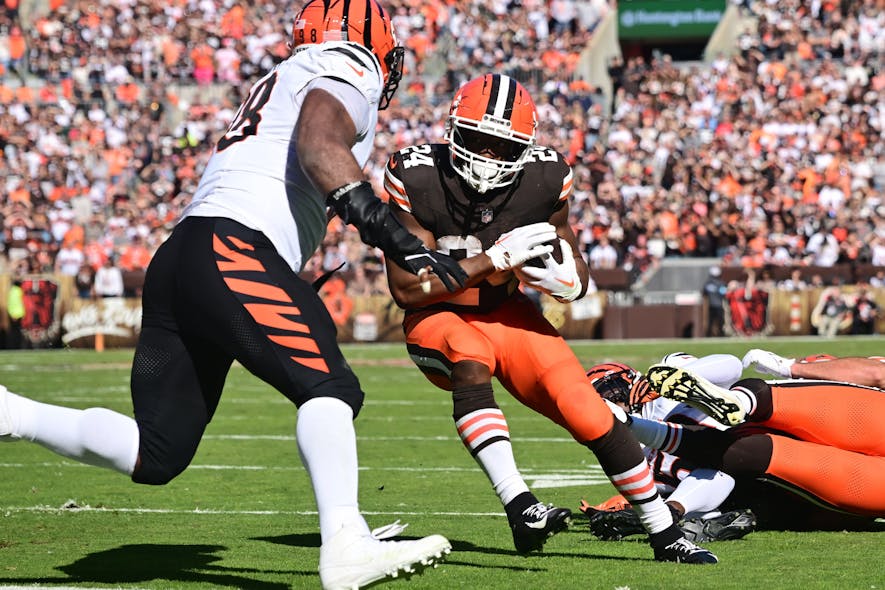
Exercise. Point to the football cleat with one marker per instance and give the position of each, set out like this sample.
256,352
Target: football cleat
536,524
352,559
728,526
684,551
682,386
614,525
6,434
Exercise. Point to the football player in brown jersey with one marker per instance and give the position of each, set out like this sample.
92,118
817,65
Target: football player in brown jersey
498,202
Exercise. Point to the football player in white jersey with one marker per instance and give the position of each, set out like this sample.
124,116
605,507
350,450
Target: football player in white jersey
693,493
224,287
806,454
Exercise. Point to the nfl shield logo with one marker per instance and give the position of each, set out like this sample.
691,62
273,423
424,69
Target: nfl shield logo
486,216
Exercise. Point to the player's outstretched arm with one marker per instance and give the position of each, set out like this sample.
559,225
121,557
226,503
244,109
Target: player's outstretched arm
324,136
859,370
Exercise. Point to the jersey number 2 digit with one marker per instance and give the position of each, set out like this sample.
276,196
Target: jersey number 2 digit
246,121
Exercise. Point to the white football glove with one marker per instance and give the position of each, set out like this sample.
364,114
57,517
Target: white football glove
518,245
559,280
769,363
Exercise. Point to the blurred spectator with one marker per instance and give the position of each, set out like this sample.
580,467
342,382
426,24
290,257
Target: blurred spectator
108,280
795,282
69,259
134,256
603,254
832,313
338,302
865,313
714,291
15,311
85,281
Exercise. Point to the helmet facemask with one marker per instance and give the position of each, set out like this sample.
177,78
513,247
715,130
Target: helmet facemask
394,62
627,387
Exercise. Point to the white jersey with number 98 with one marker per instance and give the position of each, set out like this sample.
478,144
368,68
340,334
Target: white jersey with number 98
254,176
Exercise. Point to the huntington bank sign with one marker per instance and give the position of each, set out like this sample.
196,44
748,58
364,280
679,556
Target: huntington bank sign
668,19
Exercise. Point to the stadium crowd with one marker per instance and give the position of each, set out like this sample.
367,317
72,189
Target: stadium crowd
773,156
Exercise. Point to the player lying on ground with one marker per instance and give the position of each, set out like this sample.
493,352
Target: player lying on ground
697,496
822,440
780,500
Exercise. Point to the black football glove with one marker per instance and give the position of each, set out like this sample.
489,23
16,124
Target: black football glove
442,265
356,203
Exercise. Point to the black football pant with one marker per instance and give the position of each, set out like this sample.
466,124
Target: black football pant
216,292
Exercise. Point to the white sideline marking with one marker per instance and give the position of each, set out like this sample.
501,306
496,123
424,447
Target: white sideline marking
287,437
210,512
590,476
526,472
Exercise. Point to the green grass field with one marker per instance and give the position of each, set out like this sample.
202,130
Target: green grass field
243,514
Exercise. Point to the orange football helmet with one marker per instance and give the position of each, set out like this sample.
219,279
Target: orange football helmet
360,21
619,383
490,130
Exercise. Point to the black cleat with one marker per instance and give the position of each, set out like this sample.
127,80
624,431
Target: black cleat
684,551
681,386
536,524
725,527
614,525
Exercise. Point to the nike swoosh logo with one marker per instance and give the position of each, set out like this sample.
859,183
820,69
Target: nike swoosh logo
566,283
358,72
538,524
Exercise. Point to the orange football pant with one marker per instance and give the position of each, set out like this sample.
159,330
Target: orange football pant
840,452
525,353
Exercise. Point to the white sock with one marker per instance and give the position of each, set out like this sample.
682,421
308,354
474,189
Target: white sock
719,369
500,466
651,433
95,436
327,444
746,399
655,515
485,434
637,485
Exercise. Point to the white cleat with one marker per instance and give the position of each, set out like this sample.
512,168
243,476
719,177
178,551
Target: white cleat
6,434
682,386
352,559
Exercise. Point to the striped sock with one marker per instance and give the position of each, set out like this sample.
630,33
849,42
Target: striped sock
485,434
638,486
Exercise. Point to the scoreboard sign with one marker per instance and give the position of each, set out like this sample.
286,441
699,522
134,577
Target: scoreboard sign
668,19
